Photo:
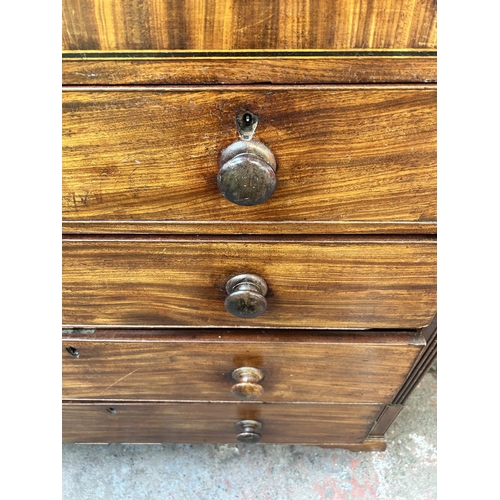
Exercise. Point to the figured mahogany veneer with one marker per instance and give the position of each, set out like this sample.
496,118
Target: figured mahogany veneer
253,24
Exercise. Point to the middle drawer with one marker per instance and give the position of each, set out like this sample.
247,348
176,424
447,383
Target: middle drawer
327,283
191,366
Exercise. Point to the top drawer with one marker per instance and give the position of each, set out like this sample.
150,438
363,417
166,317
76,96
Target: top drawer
252,24
142,160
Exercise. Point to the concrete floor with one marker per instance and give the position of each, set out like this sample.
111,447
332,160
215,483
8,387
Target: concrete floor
406,471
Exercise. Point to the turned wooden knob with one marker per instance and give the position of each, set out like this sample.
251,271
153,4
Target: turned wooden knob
246,296
247,174
247,387
247,432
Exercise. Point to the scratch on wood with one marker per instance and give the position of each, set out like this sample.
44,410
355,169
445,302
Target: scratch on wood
260,21
119,380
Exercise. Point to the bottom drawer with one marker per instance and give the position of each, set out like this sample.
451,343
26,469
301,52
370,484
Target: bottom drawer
293,423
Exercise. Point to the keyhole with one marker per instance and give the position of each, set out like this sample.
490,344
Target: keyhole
247,123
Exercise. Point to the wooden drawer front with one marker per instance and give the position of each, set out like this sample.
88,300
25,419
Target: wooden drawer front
252,24
313,283
216,422
357,154
298,367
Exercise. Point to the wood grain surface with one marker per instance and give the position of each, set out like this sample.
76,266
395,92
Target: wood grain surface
345,154
215,422
342,369
252,24
247,228
249,70
313,283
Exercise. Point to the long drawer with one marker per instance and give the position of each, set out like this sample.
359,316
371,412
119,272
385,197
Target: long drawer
136,159
301,366
312,282
99,422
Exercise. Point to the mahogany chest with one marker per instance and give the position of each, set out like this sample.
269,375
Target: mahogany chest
249,219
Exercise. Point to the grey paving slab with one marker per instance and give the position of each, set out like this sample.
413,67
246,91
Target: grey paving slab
406,471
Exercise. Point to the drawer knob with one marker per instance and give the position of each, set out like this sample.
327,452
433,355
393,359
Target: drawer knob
247,386
247,432
246,296
247,174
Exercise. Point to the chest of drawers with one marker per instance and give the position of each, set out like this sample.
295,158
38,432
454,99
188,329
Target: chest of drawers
249,219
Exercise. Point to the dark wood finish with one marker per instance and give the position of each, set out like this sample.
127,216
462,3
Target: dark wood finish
249,70
215,422
418,373
252,24
345,154
307,367
329,283
238,335
425,360
385,420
